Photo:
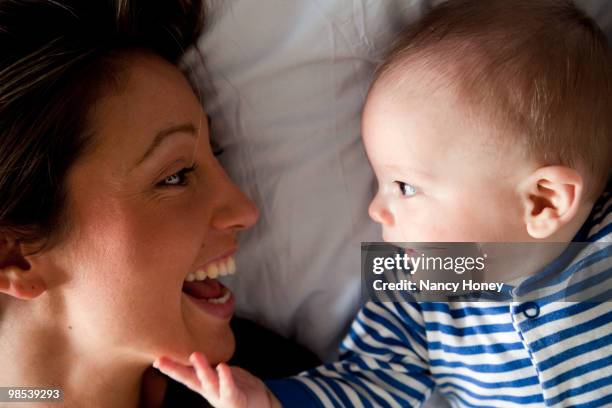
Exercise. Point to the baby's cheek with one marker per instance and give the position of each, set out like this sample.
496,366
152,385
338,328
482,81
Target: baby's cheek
421,229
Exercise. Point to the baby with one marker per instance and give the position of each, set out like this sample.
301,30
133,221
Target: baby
490,121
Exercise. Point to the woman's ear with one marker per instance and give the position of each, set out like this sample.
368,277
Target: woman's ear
17,278
551,196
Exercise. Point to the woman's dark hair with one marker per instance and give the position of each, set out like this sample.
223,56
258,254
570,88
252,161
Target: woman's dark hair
56,58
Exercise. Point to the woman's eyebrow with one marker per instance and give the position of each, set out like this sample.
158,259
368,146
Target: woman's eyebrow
186,128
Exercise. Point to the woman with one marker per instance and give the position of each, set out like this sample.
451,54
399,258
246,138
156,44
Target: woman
114,213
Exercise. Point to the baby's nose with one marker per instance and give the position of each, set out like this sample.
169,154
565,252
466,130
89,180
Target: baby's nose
379,213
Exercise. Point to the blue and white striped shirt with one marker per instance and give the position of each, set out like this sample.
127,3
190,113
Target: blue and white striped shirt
543,353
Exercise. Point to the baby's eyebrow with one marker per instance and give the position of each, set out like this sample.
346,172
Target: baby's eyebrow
407,170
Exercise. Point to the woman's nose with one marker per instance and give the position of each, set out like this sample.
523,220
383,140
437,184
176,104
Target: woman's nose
379,212
235,211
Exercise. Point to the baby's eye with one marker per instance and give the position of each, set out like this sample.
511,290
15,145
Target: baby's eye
179,178
406,189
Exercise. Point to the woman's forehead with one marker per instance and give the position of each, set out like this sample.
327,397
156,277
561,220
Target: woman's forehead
153,96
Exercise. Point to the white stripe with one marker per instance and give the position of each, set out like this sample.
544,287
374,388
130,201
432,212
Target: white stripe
553,350
524,372
383,331
585,378
467,321
390,351
474,339
586,397
576,361
512,391
487,403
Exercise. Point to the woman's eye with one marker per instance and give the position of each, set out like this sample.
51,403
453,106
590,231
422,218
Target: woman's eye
179,178
406,189
216,149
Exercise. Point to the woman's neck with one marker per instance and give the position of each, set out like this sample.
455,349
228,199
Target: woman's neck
37,354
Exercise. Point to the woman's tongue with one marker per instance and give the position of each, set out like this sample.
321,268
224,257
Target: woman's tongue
206,289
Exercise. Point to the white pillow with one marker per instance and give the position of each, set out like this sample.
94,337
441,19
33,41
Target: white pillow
284,82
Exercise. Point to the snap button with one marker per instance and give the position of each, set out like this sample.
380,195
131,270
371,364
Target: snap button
531,310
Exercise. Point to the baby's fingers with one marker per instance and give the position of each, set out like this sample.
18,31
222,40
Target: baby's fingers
209,382
228,388
183,374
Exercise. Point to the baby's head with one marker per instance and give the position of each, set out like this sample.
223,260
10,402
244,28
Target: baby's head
491,121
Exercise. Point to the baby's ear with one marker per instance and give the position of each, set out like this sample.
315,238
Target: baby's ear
17,278
551,196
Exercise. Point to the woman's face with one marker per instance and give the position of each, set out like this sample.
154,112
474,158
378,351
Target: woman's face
141,223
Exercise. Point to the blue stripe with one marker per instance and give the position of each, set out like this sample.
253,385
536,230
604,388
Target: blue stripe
322,388
527,399
292,393
578,371
407,320
575,351
592,386
382,320
484,368
572,290
349,377
601,233
515,383
604,401
387,379
572,310
419,374
464,311
338,392
465,403
365,347
466,331
477,348
571,332
551,276
387,341
370,349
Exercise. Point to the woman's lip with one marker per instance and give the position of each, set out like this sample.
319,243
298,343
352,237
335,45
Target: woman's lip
220,310
227,254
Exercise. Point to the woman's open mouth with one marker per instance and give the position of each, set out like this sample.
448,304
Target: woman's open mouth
203,288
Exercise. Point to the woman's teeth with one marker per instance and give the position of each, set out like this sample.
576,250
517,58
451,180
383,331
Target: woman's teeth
222,299
222,267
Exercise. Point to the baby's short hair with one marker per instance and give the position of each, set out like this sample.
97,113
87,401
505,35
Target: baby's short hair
540,68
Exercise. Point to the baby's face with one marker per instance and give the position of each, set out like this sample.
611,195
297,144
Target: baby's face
441,176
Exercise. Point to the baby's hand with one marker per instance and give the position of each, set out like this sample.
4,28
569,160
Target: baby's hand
225,387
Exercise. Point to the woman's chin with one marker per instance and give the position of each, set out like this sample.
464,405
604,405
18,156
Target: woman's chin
224,350
217,347
213,337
